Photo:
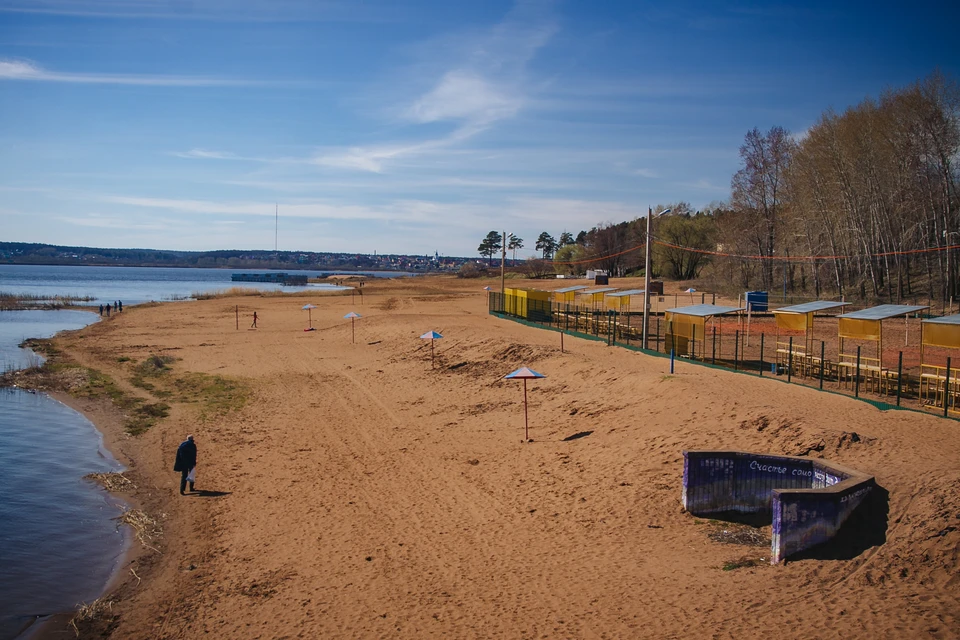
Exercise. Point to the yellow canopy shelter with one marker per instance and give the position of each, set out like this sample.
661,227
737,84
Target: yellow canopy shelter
620,300
799,317
567,295
867,324
526,302
934,382
595,296
686,325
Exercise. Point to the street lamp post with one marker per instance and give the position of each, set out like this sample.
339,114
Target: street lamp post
950,285
646,273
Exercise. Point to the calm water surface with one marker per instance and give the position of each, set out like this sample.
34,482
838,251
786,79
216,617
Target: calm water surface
134,285
17,326
59,543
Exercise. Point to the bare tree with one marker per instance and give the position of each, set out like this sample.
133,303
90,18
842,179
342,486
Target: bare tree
758,189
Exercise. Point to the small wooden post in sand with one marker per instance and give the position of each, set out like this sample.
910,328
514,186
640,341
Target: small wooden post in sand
431,336
353,332
523,373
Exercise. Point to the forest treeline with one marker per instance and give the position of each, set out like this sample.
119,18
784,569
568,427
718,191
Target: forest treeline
862,205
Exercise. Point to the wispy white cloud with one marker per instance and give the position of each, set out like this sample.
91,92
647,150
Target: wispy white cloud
465,95
465,217
114,222
373,158
483,81
204,154
647,173
29,71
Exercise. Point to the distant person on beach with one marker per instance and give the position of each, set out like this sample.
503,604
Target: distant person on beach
254,325
121,305
115,306
108,309
101,311
186,463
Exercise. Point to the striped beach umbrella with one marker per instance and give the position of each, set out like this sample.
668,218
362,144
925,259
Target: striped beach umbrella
524,373
353,332
431,336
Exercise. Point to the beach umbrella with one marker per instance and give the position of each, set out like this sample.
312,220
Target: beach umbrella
431,336
691,291
353,316
487,288
523,373
309,308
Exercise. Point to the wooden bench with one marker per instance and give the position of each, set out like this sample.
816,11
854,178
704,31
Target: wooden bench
933,387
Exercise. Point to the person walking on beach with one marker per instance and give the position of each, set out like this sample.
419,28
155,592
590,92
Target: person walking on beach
108,309
254,325
121,305
186,463
101,311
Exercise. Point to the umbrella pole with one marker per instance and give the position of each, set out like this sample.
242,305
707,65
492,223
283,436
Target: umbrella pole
431,353
353,332
526,427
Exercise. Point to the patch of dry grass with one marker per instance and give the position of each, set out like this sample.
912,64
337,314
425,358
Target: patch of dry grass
145,528
95,610
235,292
112,481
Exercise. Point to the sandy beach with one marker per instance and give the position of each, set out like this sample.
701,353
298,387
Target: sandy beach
360,492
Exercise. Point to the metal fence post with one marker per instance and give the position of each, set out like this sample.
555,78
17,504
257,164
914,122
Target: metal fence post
761,354
946,390
736,350
899,377
790,360
822,363
856,383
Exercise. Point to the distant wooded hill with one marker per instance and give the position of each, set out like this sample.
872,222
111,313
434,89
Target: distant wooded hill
46,254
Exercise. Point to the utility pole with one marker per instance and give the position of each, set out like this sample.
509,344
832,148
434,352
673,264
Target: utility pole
950,288
503,263
646,280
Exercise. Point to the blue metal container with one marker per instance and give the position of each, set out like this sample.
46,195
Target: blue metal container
757,300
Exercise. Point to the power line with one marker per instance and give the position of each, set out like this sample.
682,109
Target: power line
722,254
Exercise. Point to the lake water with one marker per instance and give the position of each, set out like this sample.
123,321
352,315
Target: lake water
17,326
59,543
135,285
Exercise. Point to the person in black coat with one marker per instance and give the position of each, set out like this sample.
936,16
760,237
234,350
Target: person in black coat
186,461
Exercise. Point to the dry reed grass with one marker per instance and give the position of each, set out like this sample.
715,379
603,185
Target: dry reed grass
90,612
114,482
234,292
144,527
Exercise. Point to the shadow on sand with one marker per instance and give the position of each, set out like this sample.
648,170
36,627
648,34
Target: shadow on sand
200,493
865,528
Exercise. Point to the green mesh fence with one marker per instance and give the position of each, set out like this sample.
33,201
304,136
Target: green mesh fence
625,330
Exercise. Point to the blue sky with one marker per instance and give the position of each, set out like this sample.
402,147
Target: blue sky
411,127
